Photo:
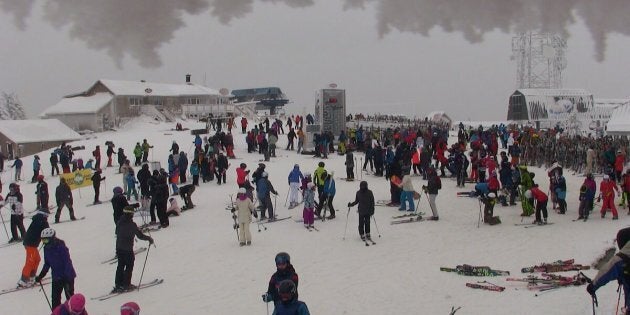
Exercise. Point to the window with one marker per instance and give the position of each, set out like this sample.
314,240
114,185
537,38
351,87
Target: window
192,101
135,101
158,101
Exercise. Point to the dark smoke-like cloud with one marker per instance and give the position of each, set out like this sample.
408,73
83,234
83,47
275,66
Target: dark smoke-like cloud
138,28
20,10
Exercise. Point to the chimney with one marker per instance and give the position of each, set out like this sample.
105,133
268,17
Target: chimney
188,78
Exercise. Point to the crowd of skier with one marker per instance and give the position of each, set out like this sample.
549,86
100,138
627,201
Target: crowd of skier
494,160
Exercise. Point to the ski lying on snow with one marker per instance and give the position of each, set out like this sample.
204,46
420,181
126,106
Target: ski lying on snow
142,286
408,220
311,228
408,215
275,220
477,271
486,286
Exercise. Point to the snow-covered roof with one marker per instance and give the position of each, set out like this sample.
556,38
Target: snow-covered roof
119,87
37,130
79,104
613,102
619,122
440,116
554,92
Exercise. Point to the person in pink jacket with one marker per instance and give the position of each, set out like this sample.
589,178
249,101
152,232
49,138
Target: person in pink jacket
75,305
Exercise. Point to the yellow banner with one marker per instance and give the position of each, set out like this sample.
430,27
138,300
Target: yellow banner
79,178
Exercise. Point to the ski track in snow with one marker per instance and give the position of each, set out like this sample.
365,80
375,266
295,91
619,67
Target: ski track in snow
205,270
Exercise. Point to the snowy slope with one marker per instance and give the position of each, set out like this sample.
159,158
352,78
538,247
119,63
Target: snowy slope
206,272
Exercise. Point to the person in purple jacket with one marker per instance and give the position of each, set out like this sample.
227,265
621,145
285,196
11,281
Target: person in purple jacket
57,258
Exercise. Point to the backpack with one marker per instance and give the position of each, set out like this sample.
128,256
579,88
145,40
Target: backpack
626,265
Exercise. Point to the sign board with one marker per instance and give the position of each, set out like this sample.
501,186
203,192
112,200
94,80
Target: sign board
78,178
330,110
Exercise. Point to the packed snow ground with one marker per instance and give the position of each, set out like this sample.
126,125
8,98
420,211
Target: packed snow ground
206,272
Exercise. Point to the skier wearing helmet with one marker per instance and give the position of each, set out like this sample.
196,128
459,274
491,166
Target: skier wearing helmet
41,191
289,304
119,201
13,201
284,271
57,258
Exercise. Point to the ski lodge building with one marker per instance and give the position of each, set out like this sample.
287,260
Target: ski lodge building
30,136
109,103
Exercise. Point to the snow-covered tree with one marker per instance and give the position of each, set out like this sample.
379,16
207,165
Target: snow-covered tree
10,107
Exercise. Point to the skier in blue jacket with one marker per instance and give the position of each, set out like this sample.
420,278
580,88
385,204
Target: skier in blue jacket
614,269
57,258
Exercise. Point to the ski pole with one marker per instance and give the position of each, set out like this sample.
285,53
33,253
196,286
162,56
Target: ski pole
346,229
618,299
376,225
46,296
3,224
287,199
144,265
275,200
479,220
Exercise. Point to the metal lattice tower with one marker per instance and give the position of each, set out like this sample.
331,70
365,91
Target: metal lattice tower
540,59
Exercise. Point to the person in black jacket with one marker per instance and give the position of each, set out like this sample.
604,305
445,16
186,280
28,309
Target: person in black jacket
284,271
41,191
222,165
54,163
432,188
126,231
143,178
365,199
63,196
185,192
161,200
119,202
31,242
152,183
96,183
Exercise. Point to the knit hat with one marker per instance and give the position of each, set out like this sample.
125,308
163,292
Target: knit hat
76,303
130,308
623,236
128,209
242,190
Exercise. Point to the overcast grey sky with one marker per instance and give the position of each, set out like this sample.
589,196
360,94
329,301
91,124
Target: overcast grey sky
392,56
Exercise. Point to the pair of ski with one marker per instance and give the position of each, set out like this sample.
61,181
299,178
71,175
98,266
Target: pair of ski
266,221
69,220
10,244
44,281
485,285
556,266
142,286
114,260
311,228
476,271
531,225
368,241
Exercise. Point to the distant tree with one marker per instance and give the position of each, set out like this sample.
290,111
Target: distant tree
11,107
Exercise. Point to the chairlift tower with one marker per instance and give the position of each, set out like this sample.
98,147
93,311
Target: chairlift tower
540,60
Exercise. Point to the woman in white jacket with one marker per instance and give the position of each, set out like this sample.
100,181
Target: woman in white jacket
244,209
